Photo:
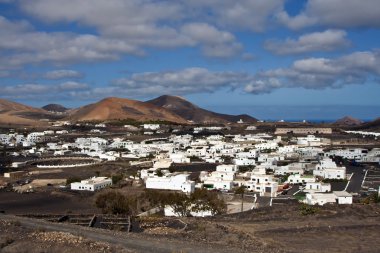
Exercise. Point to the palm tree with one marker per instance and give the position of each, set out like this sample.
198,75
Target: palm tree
241,190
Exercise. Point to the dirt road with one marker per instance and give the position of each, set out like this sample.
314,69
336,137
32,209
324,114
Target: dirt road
130,241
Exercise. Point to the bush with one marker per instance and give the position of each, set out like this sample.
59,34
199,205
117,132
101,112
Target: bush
116,178
114,202
373,198
308,210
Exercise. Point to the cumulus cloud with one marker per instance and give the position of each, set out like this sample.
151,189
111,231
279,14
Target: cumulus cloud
189,80
328,40
42,91
320,73
63,74
160,24
23,45
308,73
335,13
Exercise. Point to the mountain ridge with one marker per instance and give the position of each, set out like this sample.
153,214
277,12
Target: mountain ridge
192,112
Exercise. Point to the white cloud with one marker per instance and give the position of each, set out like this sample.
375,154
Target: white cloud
23,45
320,73
309,73
328,40
63,74
144,24
42,91
335,13
190,80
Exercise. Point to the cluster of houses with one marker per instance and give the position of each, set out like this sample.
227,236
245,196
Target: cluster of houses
262,163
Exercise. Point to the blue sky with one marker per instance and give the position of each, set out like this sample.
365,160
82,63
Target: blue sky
273,59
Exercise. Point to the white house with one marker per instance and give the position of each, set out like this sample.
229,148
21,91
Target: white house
179,158
309,140
327,168
92,184
339,197
244,161
317,187
179,182
151,126
300,179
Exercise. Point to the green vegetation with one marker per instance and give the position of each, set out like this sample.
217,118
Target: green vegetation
159,173
243,169
284,178
117,178
308,210
373,198
114,202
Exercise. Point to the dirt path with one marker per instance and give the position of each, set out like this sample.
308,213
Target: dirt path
130,241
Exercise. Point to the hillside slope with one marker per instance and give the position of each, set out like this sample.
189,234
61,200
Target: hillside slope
189,111
18,114
120,108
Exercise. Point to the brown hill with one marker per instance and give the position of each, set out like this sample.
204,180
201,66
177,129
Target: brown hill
18,114
189,111
348,121
55,108
369,126
121,108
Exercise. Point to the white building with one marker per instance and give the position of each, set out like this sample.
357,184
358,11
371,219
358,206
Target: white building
300,179
92,184
288,169
309,140
179,158
355,153
327,168
244,161
151,126
179,182
317,187
265,185
339,197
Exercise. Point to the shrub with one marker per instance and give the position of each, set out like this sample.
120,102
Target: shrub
114,202
116,178
308,210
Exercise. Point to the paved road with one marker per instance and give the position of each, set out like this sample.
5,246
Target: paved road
355,184
130,241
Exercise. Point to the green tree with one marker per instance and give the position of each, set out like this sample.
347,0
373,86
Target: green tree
117,178
113,202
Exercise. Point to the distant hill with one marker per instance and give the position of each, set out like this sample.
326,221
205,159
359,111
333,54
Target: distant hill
55,108
120,108
189,111
348,121
369,126
18,114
